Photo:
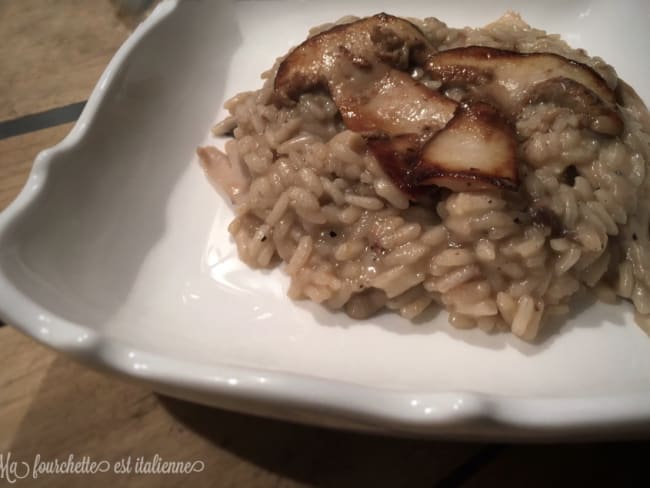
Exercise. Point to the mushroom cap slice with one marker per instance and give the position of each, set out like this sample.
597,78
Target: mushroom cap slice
475,151
382,38
509,79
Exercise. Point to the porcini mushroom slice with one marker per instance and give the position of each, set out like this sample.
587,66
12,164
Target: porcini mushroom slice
475,151
506,77
422,138
398,155
382,100
382,38
592,111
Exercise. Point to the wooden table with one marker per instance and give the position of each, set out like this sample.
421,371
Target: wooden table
51,55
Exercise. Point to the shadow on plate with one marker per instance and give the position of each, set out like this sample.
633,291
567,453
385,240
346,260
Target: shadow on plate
434,321
322,457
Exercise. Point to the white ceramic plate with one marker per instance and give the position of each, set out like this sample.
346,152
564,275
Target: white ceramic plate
116,252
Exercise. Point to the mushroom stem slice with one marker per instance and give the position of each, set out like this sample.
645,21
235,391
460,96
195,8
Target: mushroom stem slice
475,151
380,99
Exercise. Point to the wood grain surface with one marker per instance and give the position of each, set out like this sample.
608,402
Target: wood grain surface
17,155
52,53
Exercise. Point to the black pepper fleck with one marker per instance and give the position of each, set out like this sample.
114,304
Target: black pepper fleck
332,233
263,238
634,237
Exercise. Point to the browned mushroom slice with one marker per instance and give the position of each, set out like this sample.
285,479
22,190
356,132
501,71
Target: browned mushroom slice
475,151
507,78
379,99
398,155
382,37
593,113
399,116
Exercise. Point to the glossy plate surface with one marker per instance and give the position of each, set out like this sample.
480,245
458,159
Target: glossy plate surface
117,252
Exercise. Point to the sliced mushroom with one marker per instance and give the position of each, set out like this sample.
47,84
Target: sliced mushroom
475,151
472,147
382,37
510,79
382,100
398,155
594,114
420,137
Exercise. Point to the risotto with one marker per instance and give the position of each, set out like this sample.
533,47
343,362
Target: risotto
404,164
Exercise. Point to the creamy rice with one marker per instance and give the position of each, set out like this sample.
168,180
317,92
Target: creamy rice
311,196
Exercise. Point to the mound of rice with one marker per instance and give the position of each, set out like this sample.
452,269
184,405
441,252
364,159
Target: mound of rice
317,200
